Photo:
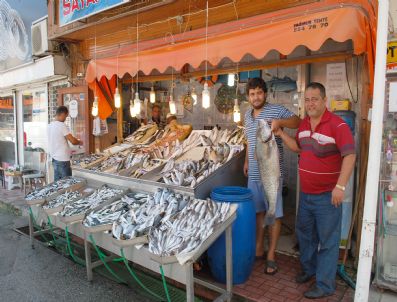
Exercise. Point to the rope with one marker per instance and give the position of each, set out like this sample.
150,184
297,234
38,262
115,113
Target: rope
102,257
165,284
130,270
75,259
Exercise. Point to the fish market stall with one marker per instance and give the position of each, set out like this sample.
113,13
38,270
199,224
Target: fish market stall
203,160
153,229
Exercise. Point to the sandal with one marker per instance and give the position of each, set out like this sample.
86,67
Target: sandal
261,257
272,265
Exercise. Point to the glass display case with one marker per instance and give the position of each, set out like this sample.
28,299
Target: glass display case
386,254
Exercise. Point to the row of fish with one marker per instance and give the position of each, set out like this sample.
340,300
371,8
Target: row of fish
52,188
188,173
110,213
154,209
187,230
62,199
81,206
143,135
87,159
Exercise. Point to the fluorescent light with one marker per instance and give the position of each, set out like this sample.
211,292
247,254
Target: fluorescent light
117,98
194,96
132,109
94,110
152,96
137,104
230,79
206,97
172,105
236,112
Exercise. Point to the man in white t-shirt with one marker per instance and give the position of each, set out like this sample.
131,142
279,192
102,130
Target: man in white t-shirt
58,137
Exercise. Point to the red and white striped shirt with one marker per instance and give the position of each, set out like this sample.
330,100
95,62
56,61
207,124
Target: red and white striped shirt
322,151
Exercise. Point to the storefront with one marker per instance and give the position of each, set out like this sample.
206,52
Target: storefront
26,106
327,42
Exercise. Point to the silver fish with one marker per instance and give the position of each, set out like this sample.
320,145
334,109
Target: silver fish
267,155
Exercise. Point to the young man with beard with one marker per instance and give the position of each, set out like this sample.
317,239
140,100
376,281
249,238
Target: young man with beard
279,117
327,156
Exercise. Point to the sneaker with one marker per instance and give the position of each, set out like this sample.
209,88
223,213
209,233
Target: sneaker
303,278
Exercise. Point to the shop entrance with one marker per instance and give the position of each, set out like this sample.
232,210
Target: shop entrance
77,99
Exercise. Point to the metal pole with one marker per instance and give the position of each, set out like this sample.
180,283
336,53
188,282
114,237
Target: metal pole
189,282
31,230
229,263
87,251
375,146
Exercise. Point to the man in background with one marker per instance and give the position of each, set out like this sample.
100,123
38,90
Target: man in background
59,150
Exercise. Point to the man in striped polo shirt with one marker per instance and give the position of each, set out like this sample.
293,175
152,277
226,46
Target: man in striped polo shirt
327,156
279,117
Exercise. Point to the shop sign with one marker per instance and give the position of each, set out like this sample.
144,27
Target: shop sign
73,10
392,55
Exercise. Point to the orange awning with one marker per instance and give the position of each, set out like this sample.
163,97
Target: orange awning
309,25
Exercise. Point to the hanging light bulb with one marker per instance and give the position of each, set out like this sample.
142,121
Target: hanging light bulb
137,104
206,96
152,96
194,96
132,109
94,110
117,98
230,79
236,112
172,105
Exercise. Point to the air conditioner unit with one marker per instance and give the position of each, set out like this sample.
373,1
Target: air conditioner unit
40,44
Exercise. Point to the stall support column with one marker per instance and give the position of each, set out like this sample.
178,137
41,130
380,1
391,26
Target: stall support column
31,230
189,282
87,251
229,263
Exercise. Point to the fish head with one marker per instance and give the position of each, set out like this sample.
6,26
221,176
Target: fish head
264,132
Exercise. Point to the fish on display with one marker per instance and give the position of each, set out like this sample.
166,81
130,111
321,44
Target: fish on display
62,199
267,156
86,160
189,173
52,188
153,209
187,230
110,213
81,206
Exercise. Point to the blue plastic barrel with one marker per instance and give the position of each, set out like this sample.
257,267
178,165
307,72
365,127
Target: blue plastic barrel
243,236
349,117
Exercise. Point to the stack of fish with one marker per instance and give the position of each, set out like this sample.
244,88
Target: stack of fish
144,134
110,164
233,137
189,173
146,165
52,188
86,160
188,229
81,206
110,213
154,209
62,199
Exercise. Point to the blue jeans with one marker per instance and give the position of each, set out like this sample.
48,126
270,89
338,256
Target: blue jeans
318,228
62,169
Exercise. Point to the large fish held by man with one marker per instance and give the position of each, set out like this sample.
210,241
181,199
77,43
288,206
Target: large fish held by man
267,155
